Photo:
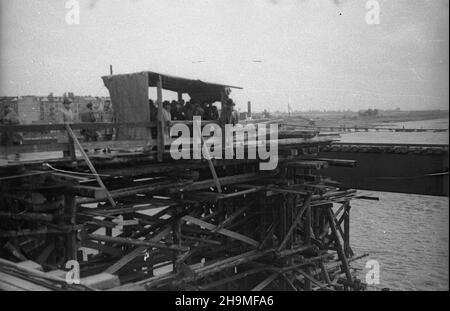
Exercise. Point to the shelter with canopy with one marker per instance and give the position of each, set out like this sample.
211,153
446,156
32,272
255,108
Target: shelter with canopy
130,98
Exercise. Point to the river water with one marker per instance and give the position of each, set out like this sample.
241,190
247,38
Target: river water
408,235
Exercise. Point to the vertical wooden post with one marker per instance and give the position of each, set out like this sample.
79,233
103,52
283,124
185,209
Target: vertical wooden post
282,216
307,232
180,97
316,222
347,250
290,202
110,70
70,209
223,99
176,235
160,121
71,153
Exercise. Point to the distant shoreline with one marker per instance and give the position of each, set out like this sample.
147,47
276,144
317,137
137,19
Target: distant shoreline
352,119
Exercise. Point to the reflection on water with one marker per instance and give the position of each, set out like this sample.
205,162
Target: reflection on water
407,234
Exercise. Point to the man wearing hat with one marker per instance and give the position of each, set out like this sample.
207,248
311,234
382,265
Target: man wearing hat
65,116
66,113
229,115
88,116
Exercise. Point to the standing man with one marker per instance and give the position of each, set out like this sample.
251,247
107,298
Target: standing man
88,116
52,116
108,117
66,114
229,115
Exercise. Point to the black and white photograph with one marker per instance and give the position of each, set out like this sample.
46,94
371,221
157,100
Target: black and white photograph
224,151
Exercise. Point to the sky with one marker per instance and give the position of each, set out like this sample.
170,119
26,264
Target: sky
309,54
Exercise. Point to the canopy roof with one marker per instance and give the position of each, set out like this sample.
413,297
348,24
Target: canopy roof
178,84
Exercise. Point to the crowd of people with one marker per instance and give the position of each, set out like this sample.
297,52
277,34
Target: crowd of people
172,111
180,111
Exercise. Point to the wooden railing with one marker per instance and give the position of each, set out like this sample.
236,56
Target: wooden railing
68,147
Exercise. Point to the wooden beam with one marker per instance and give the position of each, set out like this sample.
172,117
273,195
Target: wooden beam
228,233
139,251
339,248
91,167
295,222
129,241
266,282
347,249
160,121
74,126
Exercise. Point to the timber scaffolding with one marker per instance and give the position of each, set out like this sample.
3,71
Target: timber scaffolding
135,219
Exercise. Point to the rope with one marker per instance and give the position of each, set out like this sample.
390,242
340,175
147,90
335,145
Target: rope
72,172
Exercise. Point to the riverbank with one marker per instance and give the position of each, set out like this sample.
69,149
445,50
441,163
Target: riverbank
352,119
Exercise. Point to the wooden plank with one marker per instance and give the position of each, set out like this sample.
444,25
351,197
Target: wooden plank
102,248
118,144
75,126
308,164
101,281
88,191
136,252
32,148
235,179
266,282
232,217
13,283
228,233
130,241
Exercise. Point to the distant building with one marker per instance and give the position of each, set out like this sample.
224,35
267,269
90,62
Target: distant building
10,101
42,109
29,109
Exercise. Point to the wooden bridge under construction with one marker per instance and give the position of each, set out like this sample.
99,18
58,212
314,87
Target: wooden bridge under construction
133,218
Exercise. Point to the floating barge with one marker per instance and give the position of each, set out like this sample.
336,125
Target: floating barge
132,218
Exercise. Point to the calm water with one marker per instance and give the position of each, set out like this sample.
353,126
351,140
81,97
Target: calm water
407,234
403,137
